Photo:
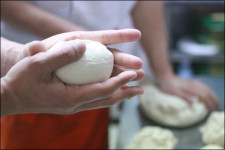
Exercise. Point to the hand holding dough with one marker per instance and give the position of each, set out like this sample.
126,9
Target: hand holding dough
168,109
96,65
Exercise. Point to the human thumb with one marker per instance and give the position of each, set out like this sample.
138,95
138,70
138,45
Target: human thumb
64,53
33,48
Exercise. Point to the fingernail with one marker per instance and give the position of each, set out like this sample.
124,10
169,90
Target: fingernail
80,47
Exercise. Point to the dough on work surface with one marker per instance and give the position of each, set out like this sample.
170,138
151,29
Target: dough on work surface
213,130
170,110
95,65
152,137
212,146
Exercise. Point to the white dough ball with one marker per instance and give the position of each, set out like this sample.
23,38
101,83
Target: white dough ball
170,110
213,130
212,146
152,137
94,66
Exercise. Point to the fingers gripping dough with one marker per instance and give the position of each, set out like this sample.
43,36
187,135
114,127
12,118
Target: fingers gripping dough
96,65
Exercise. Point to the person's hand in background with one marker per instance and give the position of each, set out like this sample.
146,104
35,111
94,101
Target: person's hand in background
154,41
189,89
31,86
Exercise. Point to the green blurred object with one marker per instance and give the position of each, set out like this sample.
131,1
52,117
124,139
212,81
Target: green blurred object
216,69
209,29
211,69
201,68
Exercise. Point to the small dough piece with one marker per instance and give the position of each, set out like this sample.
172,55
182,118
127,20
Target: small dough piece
96,65
213,130
170,110
212,146
153,137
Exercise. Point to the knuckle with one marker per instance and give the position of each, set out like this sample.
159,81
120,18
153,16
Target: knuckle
80,34
35,61
107,38
121,35
67,52
73,37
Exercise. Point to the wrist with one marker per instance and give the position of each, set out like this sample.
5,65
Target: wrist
4,98
8,105
10,53
165,76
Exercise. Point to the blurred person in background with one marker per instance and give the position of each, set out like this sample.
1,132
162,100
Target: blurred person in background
46,18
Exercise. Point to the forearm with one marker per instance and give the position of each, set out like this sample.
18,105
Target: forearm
148,18
9,54
35,20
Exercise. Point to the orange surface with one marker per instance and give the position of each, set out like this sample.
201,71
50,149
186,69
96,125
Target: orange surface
84,130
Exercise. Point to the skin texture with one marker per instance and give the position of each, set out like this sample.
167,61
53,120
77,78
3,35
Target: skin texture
23,85
153,41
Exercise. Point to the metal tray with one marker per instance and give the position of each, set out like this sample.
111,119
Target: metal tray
132,120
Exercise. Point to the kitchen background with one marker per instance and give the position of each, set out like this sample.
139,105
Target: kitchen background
196,39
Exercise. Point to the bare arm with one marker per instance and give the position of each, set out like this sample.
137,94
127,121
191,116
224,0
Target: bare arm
155,45
35,20
9,54
153,36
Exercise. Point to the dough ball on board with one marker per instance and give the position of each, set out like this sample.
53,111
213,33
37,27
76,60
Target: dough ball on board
212,146
169,110
152,137
94,66
213,130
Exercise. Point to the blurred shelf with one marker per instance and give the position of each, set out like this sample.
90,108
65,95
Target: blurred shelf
177,56
200,5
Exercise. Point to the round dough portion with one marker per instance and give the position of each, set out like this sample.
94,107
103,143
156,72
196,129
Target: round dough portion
170,110
152,137
213,130
94,66
212,146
